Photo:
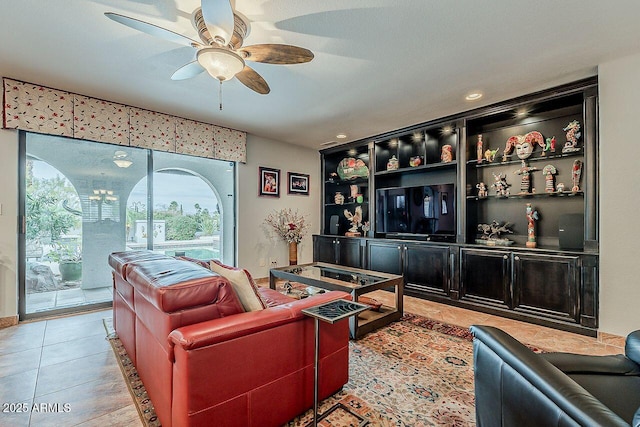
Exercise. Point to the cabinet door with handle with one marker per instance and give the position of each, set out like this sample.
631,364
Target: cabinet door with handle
385,256
324,249
486,277
547,285
426,268
348,250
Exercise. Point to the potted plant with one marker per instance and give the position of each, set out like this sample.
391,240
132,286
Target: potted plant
69,259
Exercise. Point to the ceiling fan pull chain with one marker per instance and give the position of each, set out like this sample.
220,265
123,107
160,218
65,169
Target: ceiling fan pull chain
220,94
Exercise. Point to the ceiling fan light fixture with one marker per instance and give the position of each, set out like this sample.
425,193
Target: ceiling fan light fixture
220,63
120,159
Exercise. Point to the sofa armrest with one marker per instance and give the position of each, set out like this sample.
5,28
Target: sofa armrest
509,378
632,346
230,327
570,363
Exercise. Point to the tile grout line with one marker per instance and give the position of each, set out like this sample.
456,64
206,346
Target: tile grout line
33,399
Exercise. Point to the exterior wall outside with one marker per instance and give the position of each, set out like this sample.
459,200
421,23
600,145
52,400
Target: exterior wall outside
619,89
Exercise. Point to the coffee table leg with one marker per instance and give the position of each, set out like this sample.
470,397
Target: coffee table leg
272,280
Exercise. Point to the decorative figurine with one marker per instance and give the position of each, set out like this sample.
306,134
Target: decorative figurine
549,171
447,154
479,149
353,192
525,172
524,145
550,145
560,187
415,161
576,172
500,184
338,198
365,227
490,155
356,221
392,164
532,216
573,134
491,234
482,190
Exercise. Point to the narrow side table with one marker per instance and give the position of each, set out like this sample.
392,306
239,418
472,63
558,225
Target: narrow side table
331,312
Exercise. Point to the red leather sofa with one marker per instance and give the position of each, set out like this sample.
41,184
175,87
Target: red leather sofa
204,361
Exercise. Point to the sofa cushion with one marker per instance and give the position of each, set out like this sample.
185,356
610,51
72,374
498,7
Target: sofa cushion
120,260
242,283
200,262
172,285
272,298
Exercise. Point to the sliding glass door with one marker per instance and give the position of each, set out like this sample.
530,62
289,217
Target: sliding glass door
83,200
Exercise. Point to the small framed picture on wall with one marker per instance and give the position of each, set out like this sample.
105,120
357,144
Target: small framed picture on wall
268,182
298,183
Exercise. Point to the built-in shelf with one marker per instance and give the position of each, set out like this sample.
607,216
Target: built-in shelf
511,160
418,168
364,202
529,195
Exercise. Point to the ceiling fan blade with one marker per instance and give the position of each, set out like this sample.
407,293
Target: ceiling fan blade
277,54
254,81
218,15
188,71
152,29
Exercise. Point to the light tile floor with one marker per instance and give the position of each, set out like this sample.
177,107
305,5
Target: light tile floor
43,301
67,360
68,365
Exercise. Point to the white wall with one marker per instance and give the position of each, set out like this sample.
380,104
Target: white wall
253,244
8,223
619,88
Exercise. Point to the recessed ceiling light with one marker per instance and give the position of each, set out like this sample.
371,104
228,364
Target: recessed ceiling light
341,136
473,96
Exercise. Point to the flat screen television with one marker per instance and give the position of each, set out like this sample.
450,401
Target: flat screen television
425,212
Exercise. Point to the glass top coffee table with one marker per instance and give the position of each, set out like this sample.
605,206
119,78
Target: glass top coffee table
355,281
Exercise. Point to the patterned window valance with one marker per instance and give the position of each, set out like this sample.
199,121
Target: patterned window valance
56,112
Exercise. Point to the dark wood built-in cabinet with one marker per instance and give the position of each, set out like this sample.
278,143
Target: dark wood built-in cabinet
338,250
486,277
425,214
425,267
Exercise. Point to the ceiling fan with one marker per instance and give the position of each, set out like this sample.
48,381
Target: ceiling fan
220,51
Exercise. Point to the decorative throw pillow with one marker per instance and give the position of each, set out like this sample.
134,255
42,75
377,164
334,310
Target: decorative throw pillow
242,284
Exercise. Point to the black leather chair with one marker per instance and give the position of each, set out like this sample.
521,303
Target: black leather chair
517,387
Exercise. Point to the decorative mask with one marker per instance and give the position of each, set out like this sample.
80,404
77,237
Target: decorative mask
524,144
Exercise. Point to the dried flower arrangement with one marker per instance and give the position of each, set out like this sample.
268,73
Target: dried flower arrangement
290,225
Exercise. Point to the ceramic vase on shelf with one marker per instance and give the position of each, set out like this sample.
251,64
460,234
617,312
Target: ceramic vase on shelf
293,253
392,164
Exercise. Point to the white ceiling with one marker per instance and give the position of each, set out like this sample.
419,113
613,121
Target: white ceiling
379,64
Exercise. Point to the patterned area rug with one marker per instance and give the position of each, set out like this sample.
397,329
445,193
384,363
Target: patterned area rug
414,372
139,393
